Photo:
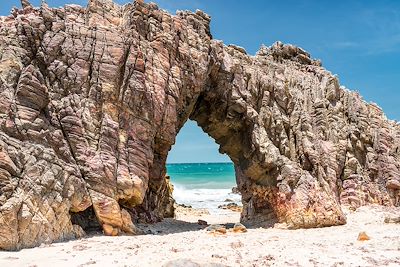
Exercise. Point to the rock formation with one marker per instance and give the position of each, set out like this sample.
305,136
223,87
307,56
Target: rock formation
92,98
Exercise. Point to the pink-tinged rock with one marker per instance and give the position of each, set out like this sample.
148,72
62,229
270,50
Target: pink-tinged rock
393,184
92,99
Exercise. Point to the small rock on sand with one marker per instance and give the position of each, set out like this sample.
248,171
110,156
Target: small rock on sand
239,228
216,228
363,237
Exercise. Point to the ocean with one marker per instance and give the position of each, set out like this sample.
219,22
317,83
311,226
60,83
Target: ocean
203,185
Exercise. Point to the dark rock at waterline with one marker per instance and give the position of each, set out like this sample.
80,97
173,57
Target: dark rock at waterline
235,190
202,222
229,225
184,206
229,205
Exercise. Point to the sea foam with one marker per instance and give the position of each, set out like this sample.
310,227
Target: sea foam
204,185
205,197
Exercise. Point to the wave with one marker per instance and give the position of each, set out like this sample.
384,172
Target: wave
209,198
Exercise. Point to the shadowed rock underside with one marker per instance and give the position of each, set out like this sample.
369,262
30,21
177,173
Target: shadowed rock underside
92,98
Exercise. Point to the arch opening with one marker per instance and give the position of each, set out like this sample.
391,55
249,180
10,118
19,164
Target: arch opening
204,181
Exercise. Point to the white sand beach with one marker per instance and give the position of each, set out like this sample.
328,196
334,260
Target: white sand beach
183,238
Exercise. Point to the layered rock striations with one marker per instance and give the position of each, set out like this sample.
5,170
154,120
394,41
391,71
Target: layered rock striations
92,98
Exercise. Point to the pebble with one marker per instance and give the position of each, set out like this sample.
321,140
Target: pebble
239,228
362,236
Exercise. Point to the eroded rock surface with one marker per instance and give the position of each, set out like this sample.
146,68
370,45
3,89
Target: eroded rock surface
92,98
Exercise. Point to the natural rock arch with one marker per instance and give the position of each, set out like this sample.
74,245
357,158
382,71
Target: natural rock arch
91,100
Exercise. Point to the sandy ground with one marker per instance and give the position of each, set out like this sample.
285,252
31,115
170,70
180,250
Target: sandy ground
179,239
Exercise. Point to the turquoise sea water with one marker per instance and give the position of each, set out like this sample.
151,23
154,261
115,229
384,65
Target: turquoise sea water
203,185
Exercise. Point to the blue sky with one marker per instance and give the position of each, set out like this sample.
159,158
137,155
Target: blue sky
357,39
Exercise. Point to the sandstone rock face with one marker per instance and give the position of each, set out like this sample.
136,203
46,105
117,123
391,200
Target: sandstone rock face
92,98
